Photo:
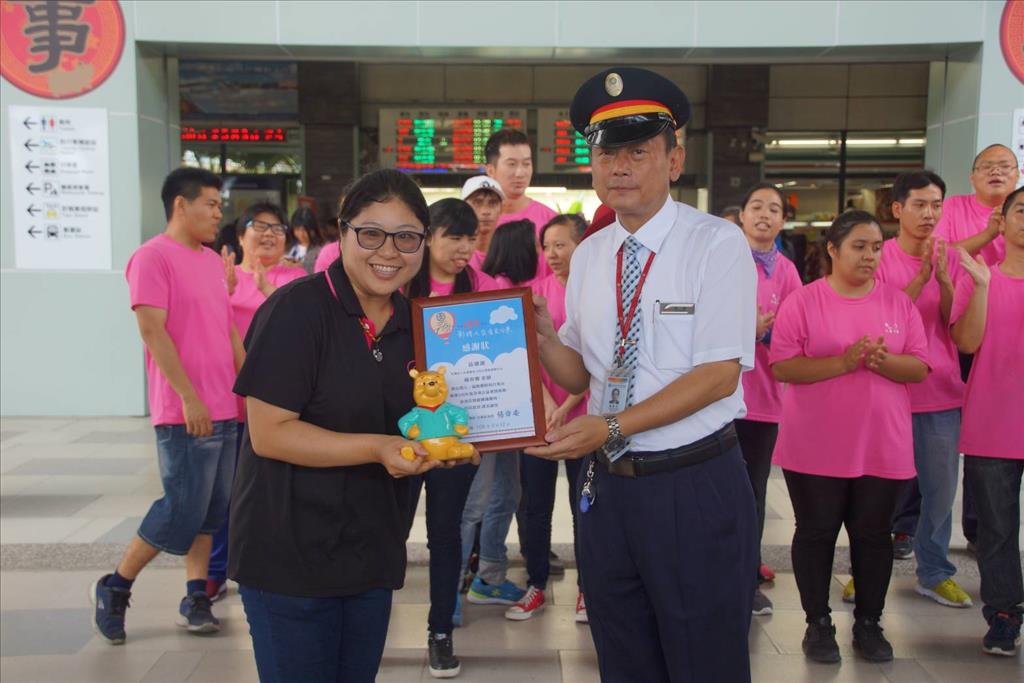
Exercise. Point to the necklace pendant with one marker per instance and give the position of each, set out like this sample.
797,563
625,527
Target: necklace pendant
377,355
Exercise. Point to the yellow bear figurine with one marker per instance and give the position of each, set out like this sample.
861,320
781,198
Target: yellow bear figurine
435,423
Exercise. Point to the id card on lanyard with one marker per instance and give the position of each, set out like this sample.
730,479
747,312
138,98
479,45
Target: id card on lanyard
620,378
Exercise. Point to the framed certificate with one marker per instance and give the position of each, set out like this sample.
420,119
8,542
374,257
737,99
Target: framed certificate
488,343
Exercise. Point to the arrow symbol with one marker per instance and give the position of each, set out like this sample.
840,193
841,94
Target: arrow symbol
33,231
30,167
33,210
29,122
29,145
32,189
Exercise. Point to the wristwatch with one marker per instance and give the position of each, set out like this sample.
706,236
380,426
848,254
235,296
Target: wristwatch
615,441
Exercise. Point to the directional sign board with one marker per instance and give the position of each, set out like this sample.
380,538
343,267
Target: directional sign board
60,183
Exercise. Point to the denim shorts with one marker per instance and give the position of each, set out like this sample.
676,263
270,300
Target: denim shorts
196,473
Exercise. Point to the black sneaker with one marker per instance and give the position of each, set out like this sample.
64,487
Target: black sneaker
869,641
1003,635
820,641
556,564
111,605
902,546
762,606
443,662
195,614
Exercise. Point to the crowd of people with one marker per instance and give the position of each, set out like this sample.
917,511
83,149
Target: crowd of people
864,386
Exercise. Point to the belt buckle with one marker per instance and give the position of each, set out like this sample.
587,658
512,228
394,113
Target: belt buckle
623,467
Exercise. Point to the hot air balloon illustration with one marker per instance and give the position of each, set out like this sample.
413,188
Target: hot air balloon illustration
442,323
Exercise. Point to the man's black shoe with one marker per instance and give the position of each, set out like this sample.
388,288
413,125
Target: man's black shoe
443,662
820,641
869,641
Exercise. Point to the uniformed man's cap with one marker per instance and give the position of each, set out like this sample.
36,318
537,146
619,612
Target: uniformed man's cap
627,104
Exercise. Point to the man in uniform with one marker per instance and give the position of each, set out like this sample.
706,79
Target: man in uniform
661,308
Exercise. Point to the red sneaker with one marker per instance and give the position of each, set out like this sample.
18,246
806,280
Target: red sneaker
528,605
765,573
581,610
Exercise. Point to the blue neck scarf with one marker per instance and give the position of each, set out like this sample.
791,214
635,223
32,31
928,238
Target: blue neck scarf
767,260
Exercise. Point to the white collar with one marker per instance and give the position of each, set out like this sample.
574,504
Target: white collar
652,233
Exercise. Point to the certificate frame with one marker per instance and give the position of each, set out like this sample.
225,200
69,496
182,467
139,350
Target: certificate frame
528,426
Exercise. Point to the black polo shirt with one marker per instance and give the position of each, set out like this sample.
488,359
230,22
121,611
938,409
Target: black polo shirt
320,532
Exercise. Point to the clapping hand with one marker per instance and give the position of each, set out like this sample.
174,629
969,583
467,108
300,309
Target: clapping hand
228,258
976,268
875,353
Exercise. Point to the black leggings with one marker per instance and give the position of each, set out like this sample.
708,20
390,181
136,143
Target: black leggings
822,506
757,441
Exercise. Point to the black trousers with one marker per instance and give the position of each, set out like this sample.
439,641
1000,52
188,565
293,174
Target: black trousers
757,441
668,570
447,490
539,477
822,505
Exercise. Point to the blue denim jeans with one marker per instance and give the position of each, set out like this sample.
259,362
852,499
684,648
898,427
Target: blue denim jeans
196,474
995,483
937,459
492,501
317,640
218,567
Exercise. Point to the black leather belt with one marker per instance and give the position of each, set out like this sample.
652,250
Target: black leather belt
642,463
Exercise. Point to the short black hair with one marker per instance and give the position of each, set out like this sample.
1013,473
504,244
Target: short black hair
304,217
763,185
577,226
1009,200
188,183
843,225
254,210
379,187
915,180
668,136
501,137
455,216
974,164
513,252
732,210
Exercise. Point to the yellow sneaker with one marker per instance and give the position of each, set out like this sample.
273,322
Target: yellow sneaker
849,594
946,593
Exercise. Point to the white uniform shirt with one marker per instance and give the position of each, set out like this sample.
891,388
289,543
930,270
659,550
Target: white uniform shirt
700,260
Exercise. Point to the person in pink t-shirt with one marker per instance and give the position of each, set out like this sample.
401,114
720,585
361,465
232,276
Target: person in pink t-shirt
971,221
988,321
761,217
330,253
847,345
539,476
262,235
510,162
193,352
922,266
512,258
446,265
485,195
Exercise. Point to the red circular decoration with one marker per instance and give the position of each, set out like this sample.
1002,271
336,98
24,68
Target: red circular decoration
1011,37
59,49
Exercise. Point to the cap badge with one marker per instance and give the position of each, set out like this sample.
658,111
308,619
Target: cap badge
613,84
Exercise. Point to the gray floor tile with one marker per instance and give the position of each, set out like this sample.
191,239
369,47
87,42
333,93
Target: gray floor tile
173,667
120,437
7,434
403,666
123,532
229,666
43,506
86,466
112,665
44,631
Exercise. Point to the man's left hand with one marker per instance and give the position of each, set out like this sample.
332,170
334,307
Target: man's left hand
583,435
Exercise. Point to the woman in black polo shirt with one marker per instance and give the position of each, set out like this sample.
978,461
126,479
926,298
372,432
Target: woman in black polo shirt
320,508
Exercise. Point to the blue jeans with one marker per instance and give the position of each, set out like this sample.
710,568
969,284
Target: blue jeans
196,474
317,640
218,567
937,459
995,483
492,501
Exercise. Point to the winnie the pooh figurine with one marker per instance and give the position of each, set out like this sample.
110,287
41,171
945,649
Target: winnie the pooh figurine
436,424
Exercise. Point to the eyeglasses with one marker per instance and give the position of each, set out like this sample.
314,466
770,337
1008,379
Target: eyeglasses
261,227
987,167
405,241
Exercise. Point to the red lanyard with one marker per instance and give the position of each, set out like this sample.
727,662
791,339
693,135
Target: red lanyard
626,321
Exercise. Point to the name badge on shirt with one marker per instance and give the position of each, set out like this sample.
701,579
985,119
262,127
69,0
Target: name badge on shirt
676,308
616,389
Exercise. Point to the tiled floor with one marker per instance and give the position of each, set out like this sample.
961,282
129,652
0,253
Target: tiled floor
72,492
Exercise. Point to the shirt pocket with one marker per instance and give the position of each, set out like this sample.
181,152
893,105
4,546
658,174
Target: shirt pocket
673,340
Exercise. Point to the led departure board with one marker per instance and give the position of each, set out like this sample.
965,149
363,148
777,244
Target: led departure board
560,149
441,140
233,134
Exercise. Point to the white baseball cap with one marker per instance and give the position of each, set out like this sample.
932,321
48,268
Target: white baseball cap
482,182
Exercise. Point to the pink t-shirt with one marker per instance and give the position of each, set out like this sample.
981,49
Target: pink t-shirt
942,389
856,424
554,291
482,282
330,253
991,423
189,285
761,393
247,298
964,216
540,215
